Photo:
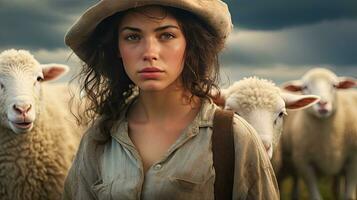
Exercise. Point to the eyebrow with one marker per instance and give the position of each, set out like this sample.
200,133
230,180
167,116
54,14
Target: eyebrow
156,29
282,109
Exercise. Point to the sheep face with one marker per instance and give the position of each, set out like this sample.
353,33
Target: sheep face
323,83
267,121
263,106
21,77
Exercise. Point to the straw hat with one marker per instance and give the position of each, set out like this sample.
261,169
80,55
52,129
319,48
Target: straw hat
214,12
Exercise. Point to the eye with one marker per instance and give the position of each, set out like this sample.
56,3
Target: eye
132,37
281,114
2,86
237,113
167,36
39,79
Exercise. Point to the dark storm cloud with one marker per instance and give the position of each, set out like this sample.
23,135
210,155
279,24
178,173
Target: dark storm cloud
27,28
73,6
298,32
37,24
278,14
325,43
42,24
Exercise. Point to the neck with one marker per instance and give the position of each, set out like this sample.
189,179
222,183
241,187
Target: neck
163,106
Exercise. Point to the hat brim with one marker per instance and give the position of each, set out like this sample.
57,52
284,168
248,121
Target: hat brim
214,12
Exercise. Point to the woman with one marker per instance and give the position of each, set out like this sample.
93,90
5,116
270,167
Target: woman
148,69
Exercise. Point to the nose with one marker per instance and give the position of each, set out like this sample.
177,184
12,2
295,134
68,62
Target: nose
267,145
22,109
150,50
322,103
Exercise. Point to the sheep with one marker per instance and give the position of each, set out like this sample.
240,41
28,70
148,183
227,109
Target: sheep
38,135
323,138
263,105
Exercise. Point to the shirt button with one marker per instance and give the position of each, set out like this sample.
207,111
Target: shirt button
157,167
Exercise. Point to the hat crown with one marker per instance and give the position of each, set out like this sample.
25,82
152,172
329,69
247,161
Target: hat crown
214,12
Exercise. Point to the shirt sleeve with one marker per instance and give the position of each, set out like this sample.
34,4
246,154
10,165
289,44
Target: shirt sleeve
254,177
81,176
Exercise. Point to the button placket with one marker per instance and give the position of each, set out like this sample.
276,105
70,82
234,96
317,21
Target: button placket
157,166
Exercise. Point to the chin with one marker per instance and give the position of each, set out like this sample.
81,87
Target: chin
152,87
322,115
21,130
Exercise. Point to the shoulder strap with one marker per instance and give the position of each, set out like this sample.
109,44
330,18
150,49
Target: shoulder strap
223,154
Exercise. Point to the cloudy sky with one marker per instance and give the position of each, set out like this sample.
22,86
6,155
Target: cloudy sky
275,39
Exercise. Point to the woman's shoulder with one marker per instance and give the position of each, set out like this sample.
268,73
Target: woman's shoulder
242,128
243,131
91,139
245,136
247,141
93,130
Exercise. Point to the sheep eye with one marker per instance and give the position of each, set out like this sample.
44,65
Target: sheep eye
1,86
237,113
281,114
39,79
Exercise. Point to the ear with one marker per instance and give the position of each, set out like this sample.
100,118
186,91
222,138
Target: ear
293,86
219,97
53,71
346,82
295,101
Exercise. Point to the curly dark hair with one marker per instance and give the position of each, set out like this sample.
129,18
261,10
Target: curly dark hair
106,84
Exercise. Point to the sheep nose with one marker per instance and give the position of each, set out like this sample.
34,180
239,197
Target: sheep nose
22,109
322,104
267,145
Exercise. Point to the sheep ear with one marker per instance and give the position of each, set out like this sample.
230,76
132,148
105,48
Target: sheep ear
346,82
294,101
293,86
219,97
53,71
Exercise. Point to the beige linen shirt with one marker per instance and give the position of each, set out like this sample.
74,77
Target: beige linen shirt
115,170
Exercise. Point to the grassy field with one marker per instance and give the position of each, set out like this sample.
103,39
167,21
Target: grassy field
324,186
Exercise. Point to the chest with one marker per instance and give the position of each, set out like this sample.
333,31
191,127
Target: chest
152,143
186,172
27,163
329,154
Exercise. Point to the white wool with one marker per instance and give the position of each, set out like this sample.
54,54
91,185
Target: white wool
252,93
327,145
259,102
34,164
320,73
18,58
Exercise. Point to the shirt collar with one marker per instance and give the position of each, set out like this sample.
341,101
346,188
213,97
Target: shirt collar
204,118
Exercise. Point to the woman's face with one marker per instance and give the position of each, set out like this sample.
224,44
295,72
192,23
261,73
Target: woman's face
152,48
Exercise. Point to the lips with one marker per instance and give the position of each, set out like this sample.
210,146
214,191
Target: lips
150,73
323,111
22,125
150,70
